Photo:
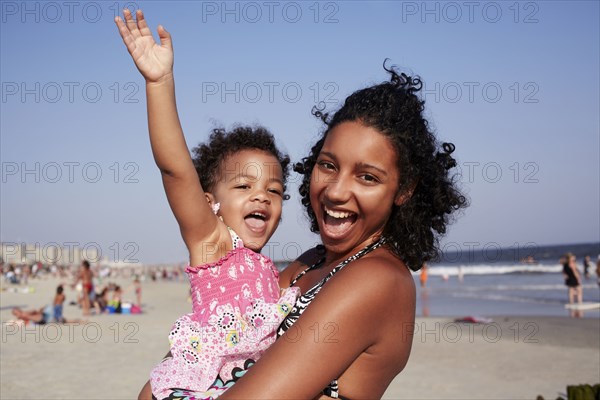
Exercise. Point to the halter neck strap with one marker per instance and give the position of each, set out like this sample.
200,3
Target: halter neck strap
365,250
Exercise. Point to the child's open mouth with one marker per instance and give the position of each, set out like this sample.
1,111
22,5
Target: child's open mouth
256,221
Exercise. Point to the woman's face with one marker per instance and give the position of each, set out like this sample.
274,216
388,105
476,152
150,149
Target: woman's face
354,186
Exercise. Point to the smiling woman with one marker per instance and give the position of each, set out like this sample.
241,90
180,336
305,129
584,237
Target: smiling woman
378,191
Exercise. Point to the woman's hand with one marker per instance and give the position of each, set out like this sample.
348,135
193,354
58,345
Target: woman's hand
154,61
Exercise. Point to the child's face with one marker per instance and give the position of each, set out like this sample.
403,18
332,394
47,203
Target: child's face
250,194
354,186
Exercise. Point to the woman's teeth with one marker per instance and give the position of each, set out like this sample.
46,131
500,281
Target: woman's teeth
338,223
338,214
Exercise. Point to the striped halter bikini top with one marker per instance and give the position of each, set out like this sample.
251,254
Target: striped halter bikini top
305,299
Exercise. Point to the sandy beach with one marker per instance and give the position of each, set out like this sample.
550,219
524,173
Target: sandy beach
111,356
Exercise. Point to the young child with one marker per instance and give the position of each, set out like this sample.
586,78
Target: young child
57,305
225,218
115,302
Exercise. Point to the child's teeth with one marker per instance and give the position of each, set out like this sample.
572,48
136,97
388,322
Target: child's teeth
259,215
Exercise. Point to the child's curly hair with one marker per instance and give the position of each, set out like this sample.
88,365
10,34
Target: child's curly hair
208,157
395,110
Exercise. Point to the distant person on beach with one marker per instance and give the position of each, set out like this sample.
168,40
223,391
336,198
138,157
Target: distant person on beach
587,264
572,278
57,304
116,301
11,275
86,277
26,273
598,270
47,314
376,187
423,277
137,286
38,316
530,260
225,218
461,274
101,300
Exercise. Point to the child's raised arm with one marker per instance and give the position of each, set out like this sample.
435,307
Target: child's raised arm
199,226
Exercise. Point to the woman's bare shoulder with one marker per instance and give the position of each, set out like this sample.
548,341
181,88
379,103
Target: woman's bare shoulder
382,270
377,282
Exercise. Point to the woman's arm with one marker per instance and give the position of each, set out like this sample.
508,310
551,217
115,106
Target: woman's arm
197,222
352,314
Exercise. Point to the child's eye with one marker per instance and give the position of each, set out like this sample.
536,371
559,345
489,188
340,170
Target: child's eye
243,186
276,191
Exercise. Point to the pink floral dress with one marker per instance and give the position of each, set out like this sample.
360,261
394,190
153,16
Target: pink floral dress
237,308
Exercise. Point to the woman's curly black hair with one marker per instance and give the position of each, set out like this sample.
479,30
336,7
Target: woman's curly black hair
208,157
395,110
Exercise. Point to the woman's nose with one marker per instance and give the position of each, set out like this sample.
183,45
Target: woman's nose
338,189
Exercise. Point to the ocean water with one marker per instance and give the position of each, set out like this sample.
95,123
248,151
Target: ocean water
508,293
496,282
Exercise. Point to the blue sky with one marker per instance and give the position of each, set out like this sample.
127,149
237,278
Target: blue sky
515,85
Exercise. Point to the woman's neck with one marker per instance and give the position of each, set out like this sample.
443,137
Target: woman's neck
334,258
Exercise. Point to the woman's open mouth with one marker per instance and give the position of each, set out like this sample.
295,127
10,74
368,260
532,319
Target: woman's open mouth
337,223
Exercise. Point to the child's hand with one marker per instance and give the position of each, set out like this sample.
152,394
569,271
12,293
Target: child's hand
155,62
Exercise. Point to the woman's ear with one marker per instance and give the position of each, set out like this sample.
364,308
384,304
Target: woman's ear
404,195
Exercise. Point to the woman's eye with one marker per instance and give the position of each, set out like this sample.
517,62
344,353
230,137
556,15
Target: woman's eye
327,165
369,178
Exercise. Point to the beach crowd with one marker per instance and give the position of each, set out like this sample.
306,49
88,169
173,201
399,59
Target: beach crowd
94,285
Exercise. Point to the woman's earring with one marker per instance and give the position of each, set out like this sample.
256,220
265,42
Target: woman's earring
216,207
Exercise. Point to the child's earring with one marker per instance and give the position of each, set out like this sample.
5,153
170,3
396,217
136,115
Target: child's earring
216,207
